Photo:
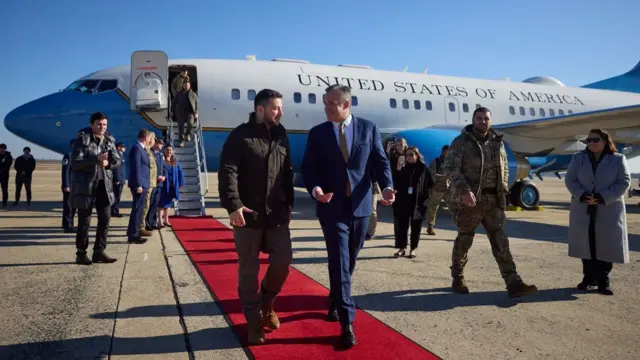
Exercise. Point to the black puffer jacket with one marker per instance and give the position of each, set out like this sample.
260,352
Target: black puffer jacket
85,165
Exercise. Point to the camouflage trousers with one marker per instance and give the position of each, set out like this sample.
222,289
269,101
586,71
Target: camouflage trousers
145,211
488,213
437,194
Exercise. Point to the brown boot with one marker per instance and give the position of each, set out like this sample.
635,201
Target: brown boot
430,230
459,285
518,289
255,333
145,232
269,317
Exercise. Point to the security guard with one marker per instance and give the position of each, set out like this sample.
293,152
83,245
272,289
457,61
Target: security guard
68,213
118,181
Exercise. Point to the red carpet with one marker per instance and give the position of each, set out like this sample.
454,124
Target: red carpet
301,305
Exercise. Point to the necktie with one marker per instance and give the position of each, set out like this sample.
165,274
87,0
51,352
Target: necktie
345,153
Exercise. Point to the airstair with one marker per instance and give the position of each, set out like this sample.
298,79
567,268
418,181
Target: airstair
192,159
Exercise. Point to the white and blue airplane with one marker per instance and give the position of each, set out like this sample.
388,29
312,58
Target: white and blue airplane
543,121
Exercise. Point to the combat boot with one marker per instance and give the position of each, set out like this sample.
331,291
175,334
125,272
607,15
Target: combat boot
255,333
269,317
459,285
430,230
518,289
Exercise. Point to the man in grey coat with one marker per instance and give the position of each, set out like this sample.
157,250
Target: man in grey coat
597,179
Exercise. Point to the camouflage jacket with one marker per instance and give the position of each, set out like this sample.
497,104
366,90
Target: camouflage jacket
465,162
437,173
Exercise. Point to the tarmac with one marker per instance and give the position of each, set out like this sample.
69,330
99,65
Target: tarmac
152,304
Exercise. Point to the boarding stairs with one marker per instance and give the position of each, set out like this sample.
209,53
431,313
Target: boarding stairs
192,159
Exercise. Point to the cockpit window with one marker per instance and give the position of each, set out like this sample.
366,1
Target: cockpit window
91,85
107,85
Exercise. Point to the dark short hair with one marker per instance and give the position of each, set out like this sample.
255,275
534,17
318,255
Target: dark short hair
119,144
480,109
446,147
3,146
26,148
609,145
264,96
143,133
97,116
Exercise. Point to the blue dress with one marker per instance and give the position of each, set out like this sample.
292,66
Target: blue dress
171,187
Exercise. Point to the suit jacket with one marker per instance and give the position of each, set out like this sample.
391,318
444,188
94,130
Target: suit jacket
324,166
139,168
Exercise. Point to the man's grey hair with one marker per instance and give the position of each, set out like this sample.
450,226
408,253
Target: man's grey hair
345,91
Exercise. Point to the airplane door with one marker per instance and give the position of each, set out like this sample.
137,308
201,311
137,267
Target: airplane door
149,81
451,111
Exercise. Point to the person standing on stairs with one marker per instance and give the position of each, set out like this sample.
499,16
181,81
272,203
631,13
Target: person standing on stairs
255,183
185,110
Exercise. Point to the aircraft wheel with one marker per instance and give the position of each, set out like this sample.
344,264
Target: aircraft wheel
525,194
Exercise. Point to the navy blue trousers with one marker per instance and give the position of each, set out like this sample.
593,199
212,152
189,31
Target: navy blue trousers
137,207
344,237
117,191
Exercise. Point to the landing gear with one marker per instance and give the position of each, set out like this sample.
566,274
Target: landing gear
525,194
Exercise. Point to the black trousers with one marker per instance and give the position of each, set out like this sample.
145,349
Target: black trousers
67,212
401,225
594,269
117,191
4,184
100,201
26,181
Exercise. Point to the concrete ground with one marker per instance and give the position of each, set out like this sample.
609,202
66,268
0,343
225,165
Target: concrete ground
152,303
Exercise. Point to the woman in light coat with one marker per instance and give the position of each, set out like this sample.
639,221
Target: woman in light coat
597,178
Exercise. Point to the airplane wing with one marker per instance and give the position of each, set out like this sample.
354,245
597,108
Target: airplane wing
561,134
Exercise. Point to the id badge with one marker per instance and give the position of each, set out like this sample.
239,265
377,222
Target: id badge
410,190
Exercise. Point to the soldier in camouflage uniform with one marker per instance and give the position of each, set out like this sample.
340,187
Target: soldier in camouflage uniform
439,190
478,170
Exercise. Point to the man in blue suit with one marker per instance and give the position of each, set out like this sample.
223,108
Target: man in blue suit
340,157
118,181
139,182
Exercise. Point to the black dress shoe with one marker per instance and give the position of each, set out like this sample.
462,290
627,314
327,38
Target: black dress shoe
101,257
348,338
332,315
139,240
605,290
586,283
83,259
71,230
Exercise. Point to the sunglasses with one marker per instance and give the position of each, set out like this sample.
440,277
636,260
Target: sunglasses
593,140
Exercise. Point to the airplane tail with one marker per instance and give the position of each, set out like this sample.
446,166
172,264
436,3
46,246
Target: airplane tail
629,82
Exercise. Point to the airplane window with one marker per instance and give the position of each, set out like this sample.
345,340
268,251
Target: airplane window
107,85
416,104
512,110
354,101
522,111
428,105
297,97
405,103
552,113
465,107
74,85
235,94
393,103
88,86
570,112
541,112
560,112
251,95
532,111
452,107
312,98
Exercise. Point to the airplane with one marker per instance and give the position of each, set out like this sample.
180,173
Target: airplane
543,121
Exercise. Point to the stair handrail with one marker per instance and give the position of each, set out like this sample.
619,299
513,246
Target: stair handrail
202,159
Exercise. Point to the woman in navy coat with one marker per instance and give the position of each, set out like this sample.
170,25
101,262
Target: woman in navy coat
171,187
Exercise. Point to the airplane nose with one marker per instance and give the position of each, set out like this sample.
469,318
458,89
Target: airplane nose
34,121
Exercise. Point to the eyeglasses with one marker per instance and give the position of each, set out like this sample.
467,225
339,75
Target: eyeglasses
593,140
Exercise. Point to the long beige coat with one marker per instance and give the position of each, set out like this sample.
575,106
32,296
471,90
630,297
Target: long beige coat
611,181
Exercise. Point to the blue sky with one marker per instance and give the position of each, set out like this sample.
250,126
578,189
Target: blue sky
48,44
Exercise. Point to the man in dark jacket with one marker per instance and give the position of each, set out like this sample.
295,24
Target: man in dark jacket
185,110
118,181
68,212
24,165
5,166
93,159
255,181
154,200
